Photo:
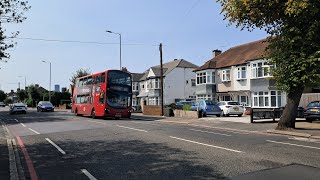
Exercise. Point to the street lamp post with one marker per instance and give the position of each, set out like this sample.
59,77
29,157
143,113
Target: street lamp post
120,44
49,79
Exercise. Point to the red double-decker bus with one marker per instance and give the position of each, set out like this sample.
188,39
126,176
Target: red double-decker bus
105,94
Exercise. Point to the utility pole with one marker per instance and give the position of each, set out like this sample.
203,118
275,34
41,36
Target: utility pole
161,78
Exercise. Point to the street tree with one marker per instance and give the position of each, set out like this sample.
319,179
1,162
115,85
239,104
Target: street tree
11,11
294,43
22,95
34,94
79,73
3,95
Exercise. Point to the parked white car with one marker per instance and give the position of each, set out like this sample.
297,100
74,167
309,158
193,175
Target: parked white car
18,108
231,108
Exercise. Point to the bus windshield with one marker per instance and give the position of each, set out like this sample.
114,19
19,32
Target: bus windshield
118,100
119,89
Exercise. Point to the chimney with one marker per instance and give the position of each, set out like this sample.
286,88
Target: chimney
216,52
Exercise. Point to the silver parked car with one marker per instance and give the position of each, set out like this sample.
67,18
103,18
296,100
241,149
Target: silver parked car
2,104
18,108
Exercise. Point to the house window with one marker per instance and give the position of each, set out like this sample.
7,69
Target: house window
213,77
142,85
261,69
135,86
226,98
156,83
202,78
267,99
226,75
134,102
153,101
193,82
243,100
241,72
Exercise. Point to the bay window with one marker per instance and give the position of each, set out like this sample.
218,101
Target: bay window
261,69
268,99
202,78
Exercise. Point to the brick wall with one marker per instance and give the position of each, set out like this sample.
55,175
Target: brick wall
152,110
185,114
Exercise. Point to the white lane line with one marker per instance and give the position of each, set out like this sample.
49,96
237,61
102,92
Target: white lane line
97,122
210,132
23,125
132,128
84,171
16,120
146,123
311,147
209,145
56,146
34,131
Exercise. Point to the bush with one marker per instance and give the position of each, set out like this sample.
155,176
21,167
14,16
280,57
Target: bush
186,107
8,101
29,102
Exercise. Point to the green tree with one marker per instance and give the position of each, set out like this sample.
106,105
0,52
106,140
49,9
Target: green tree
79,73
293,26
57,97
3,95
22,95
11,11
34,94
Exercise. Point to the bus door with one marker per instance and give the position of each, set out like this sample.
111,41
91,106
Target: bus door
98,101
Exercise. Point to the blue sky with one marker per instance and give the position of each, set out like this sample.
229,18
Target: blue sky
188,30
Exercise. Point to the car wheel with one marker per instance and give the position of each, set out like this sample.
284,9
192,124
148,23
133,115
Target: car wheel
204,114
218,115
239,115
227,115
93,114
117,118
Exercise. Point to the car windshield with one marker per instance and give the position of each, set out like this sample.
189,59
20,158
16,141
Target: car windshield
46,103
233,103
208,102
314,104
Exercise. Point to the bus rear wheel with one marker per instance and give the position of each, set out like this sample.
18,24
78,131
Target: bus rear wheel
93,114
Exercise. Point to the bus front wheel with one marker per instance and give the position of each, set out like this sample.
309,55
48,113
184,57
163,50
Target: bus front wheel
76,112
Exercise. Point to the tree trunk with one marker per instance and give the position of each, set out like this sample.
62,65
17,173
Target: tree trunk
288,117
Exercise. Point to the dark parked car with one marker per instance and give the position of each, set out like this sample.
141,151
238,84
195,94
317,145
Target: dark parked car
45,106
312,111
207,107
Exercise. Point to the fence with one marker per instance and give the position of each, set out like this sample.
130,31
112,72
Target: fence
273,114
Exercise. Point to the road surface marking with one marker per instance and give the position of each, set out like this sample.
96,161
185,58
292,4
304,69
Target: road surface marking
236,131
16,120
146,123
304,139
294,144
132,128
84,171
97,122
56,146
34,131
218,147
23,125
30,166
210,132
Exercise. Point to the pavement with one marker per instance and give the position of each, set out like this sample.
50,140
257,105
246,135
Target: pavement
59,145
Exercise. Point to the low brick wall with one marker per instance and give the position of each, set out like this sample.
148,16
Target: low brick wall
152,110
62,106
185,114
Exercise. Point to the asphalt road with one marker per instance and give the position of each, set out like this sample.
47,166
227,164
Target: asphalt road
60,145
